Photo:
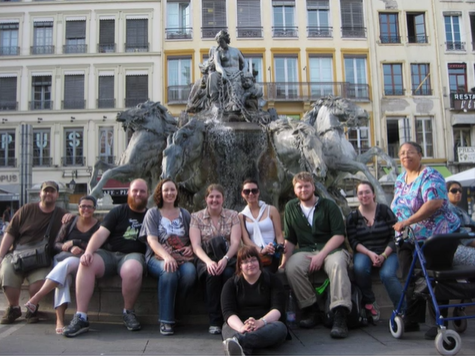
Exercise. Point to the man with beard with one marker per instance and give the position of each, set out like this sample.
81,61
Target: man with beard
28,226
122,253
317,226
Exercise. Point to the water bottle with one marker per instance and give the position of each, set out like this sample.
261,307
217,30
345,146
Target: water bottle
291,311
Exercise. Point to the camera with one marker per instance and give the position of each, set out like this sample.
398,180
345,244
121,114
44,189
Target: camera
279,248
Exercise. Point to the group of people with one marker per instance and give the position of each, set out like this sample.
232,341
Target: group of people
234,255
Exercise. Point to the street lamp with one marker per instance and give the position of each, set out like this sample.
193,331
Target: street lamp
72,184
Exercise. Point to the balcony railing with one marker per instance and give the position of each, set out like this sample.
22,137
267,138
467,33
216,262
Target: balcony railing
77,48
249,32
73,104
455,46
73,161
106,48
9,51
286,31
131,102
418,39
390,39
8,105
353,32
179,33
106,159
42,49
7,162
210,32
319,32
42,161
130,47
422,91
178,94
105,103
394,91
41,105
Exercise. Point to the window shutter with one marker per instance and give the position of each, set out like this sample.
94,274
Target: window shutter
8,88
74,87
318,5
106,87
352,13
214,13
107,32
249,13
39,24
137,32
283,3
75,29
9,26
136,86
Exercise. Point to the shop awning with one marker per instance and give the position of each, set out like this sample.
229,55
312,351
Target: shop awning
440,168
114,187
463,119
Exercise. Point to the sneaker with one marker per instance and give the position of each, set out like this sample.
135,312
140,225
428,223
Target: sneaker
232,347
166,329
76,327
339,328
130,321
11,314
373,311
214,330
32,317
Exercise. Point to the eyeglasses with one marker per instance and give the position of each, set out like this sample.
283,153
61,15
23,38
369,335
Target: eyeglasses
249,261
90,207
407,153
455,191
249,191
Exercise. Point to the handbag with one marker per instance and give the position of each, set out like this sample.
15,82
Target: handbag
28,257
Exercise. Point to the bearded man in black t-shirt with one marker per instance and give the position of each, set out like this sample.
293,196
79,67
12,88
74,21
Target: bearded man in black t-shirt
122,253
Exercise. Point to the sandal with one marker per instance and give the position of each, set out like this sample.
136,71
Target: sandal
59,331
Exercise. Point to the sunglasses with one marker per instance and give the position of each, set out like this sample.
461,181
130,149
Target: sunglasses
249,191
455,191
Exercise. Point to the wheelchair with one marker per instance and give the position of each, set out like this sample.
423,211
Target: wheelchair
432,266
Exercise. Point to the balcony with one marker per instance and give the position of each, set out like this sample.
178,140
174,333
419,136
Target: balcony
249,32
394,91
418,39
42,49
179,33
421,91
41,105
73,161
106,103
287,31
353,32
106,48
210,32
9,51
106,159
39,161
77,48
6,105
136,48
73,104
131,102
390,39
7,162
319,32
455,46
178,94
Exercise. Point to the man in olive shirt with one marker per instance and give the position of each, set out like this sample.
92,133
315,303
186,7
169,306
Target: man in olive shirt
316,225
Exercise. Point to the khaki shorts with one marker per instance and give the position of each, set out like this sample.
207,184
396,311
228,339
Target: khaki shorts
113,261
10,278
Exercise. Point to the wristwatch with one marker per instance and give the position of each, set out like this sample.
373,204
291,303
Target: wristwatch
226,257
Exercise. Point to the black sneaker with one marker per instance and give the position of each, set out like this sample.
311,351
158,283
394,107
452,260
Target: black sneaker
166,329
130,321
76,327
11,314
32,317
339,328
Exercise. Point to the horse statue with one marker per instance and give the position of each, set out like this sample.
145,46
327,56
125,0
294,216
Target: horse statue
329,116
151,124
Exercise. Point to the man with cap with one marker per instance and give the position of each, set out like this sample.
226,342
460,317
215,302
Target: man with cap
28,226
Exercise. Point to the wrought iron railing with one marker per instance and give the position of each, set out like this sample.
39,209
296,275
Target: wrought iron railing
285,31
42,161
422,91
106,103
390,39
42,49
73,161
394,91
76,48
178,94
210,32
353,32
455,46
179,33
6,105
130,47
9,51
106,159
7,162
317,32
106,48
249,31
418,39
41,105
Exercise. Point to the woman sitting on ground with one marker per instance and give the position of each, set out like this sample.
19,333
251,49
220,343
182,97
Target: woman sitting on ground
253,304
70,244
261,226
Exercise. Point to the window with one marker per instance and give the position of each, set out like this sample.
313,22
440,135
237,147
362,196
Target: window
420,76
7,148
457,77
393,79
178,19
355,76
389,28
359,138
321,72
284,19
75,37
399,131
424,135
352,19
42,37
472,29
286,82
452,33
106,91
214,17
318,16
42,148
255,66
8,90
249,18
106,36
461,139
9,39
137,35
41,92
136,89
74,142
106,145
74,92
416,28
179,79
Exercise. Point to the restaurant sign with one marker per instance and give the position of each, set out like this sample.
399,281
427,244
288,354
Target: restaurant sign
463,101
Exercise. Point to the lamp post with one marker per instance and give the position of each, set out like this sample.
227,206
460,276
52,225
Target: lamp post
72,184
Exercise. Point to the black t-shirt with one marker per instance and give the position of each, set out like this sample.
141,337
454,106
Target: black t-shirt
124,225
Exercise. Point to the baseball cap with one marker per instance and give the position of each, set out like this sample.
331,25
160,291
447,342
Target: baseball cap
50,184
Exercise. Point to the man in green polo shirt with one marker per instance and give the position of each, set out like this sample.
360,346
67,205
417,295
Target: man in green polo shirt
316,225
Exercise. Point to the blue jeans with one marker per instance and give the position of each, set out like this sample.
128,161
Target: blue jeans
173,287
387,273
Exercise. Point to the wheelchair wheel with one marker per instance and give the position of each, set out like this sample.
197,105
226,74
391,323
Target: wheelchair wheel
396,327
451,345
459,325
